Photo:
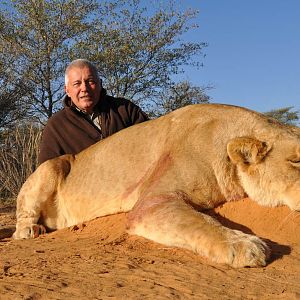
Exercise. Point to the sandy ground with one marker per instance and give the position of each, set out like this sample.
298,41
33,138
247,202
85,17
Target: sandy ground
99,260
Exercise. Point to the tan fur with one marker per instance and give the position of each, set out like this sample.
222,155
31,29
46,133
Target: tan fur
198,156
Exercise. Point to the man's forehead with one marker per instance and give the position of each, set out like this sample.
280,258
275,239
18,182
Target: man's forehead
77,72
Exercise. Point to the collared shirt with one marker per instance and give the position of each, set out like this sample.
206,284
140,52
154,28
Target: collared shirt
95,117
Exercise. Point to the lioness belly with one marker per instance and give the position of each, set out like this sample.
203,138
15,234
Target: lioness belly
78,208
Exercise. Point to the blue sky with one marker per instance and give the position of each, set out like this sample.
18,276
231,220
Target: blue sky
252,59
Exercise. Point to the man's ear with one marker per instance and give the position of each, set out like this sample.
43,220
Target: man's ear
247,150
66,90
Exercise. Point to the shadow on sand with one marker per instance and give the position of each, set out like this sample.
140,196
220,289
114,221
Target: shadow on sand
277,250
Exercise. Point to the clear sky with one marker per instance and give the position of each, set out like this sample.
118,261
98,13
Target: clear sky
253,56
253,53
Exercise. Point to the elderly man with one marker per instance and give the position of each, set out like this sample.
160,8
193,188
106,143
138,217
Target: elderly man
88,116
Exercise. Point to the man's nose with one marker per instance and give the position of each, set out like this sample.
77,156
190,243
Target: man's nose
84,86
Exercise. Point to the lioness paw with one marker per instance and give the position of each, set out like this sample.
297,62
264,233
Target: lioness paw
32,231
247,251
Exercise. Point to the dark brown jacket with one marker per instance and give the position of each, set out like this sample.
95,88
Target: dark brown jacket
69,131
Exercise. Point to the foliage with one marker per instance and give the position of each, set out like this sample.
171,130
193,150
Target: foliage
38,36
11,95
18,157
284,115
137,51
178,95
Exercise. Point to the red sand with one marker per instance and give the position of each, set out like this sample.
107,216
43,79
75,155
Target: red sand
98,260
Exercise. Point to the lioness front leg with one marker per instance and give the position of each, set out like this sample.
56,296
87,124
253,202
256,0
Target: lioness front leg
39,188
29,202
169,220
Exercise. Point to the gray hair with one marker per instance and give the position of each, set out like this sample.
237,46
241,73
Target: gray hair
81,63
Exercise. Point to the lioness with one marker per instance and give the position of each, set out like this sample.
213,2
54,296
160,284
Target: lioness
158,171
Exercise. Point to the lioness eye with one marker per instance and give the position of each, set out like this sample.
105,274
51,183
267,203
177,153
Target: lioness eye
295,162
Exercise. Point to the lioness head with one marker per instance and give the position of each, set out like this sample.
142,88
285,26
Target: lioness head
269,171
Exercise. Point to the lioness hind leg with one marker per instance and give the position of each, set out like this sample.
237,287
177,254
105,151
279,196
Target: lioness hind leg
169,220
40,188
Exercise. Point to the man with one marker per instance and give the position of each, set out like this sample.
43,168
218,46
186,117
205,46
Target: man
89,115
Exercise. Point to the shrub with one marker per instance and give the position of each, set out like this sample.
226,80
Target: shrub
18,157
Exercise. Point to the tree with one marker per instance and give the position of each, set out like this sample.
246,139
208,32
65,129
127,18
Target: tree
137,52
11,110
178,95
39,36
11,96
284,115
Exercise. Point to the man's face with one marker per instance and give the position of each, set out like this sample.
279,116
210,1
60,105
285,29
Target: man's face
83,87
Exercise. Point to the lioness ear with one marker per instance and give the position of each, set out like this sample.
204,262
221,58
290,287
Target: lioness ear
247,150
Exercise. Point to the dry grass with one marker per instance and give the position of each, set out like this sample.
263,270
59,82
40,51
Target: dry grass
18,158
